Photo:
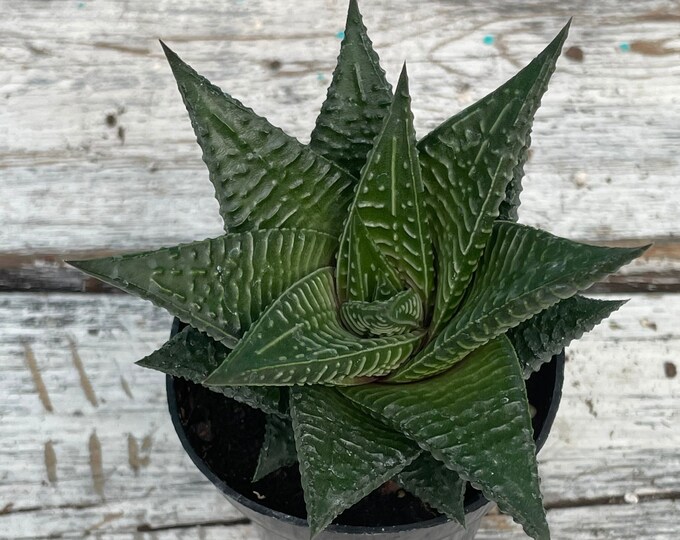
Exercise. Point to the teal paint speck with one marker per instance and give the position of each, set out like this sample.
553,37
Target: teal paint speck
340,34
625,46
488,40
81,5
320,77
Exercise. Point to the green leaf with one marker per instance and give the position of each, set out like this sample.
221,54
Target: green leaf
389,199
263,178
475,419
299,340
363,274
278,447
433,483
508,208
358,99
399,314
192,355
219,286
523,272
386,226
344,453
538,339
468,162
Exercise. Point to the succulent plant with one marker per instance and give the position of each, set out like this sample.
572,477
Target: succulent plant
373,293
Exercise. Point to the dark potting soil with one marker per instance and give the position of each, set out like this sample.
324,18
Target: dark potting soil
228,436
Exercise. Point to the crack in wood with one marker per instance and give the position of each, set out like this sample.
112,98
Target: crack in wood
135,459
138,51
108,518
47,272
126,387
37,378
51,462
640,498
9,508
84,379
145,527
96,469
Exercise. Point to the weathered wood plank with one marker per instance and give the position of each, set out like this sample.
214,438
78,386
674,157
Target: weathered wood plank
615,437
645,521
97,153
657,271
653,520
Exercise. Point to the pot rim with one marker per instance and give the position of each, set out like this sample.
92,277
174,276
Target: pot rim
226,489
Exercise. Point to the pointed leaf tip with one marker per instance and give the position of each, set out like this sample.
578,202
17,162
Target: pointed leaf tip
387,228
358,99
522,272
544,335
255,193
404,72
196,281
344,453
169,53
402,85
475,419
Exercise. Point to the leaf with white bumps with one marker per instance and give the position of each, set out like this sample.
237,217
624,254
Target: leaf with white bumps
538,339
475,419
468,162
389,200
219,286
263,178
300,340
399,314
192,355
523,271
344,453
358,99
363,273
435,484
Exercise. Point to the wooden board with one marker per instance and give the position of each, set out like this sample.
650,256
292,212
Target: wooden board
91,447
97,156
97,151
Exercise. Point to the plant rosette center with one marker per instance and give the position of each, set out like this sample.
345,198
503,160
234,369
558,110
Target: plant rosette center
373,292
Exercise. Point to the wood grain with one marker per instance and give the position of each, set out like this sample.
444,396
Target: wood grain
615,438
97,156
98,153
658,270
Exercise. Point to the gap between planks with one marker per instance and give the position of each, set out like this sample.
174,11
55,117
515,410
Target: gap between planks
658,270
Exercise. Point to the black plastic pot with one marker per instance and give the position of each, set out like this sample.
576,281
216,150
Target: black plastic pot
544,389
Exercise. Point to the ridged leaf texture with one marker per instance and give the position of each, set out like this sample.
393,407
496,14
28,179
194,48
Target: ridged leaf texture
538,339
401,313
389,201
278,448
523,272
475,419
358,99
363,273
468,162
344,453
366,259
219,286
508,208
433,483
263,178
299,340
192,355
